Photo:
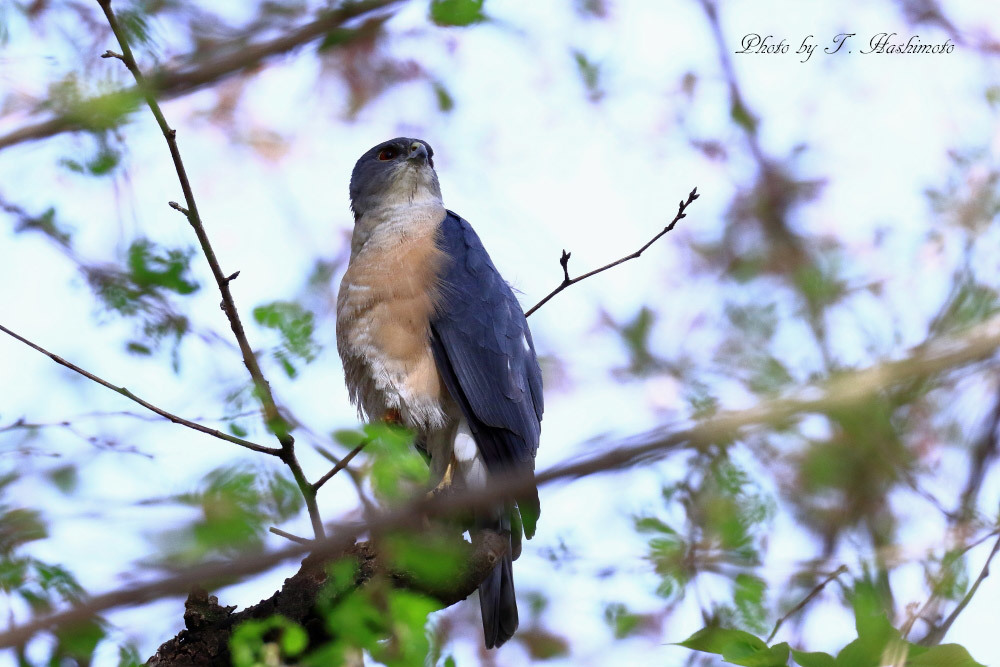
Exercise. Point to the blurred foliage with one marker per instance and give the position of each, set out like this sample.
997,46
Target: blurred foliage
430,559
234,507
878,643
143,290
725,521
268,642
590,74
457,12
296,327
386,622
43,586
394,467
787,292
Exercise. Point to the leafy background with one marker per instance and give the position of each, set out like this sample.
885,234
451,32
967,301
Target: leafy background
847,215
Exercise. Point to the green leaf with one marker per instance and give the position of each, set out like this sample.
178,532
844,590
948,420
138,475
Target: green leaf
103,112
128,656
721,640
80,639
457,12
820,286
236,504
137,348
248,648
396,468
18,527
104,162
65,478
635,335
444,99
431,560
341,576
816,659
943,655
350,437
46,224
338,37
150,268
409,612
590,73
296,326
748,595
622,622
650,524
743,117
738,647
875,634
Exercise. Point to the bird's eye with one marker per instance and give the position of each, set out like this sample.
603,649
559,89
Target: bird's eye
387,154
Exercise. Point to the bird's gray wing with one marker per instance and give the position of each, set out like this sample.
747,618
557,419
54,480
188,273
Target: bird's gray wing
485,355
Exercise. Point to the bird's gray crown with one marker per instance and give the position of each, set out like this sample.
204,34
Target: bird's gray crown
395,172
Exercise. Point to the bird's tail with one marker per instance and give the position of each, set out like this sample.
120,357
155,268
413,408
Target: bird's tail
498,603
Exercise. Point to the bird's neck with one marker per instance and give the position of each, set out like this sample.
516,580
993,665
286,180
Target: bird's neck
394,223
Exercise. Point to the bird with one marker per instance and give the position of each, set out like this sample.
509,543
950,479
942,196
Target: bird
433,338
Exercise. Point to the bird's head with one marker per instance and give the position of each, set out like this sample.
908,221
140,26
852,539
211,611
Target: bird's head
396,172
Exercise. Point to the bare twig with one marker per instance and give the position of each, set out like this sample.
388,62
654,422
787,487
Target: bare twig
288,536
275,422
149,406
170,83
938,633
341,464
847,390
564,259
806,600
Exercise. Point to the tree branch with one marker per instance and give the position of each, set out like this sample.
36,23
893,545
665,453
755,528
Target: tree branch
149,406
564,259
938,633
806,600
209,626
170,83
273,419
340,465
848,389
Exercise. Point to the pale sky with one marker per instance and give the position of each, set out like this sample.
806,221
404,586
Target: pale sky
535,167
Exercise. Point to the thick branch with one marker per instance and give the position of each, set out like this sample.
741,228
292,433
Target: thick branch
209,626
564,259
847,390
149,406
275,422
170,83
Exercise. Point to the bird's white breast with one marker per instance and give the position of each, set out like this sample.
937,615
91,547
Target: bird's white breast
386,300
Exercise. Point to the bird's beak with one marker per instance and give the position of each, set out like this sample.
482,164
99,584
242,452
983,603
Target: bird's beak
418,152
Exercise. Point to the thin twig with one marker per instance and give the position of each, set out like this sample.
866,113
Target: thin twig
938,633
934,597
288,536
564,258
848,390
806,600
341,464
272,417
273,451
238,57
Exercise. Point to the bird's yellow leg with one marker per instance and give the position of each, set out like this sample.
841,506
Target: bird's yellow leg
446,481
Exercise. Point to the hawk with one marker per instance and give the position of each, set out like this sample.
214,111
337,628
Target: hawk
431,336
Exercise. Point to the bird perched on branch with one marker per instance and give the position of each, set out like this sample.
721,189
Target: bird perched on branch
431,336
